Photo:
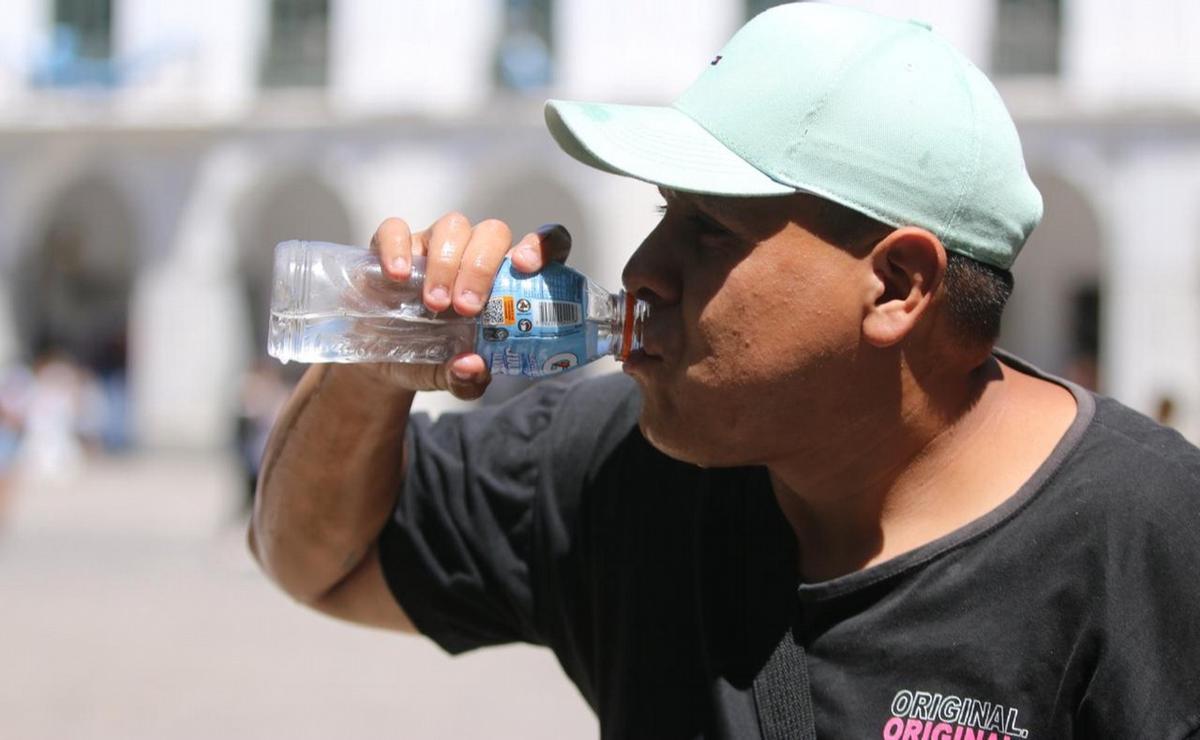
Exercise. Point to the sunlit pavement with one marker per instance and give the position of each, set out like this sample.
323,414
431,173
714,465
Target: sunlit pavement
130,609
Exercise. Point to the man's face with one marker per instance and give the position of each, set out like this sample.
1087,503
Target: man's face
753,332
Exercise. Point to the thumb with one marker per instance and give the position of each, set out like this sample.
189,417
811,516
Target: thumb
466,376
549,243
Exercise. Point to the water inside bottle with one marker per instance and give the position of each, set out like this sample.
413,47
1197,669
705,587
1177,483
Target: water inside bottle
344,336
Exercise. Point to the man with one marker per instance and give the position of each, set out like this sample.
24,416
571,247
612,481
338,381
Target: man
827,508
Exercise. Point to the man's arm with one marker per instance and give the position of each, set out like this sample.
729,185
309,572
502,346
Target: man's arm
335,462
330,476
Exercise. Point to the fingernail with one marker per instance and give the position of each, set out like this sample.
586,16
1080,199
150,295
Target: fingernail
528,252
460,373
469,298
439,294
399,264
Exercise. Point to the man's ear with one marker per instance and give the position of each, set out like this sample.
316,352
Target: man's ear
907,267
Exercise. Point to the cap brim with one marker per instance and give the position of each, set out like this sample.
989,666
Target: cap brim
657,144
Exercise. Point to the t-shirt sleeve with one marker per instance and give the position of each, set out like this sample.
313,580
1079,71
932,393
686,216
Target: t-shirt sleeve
461,552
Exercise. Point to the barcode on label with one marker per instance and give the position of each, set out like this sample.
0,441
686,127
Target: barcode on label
557,313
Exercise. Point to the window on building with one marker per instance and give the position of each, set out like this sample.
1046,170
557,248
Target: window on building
1026,37
754,7
525,54
85,26
298,46
80,49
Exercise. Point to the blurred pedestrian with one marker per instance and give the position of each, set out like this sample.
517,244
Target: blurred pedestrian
14,390
1164,410
50,448
113,394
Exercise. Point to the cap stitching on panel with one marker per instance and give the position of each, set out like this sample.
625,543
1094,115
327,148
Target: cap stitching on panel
972,176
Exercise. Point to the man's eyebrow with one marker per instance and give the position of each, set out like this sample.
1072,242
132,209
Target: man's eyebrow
707,203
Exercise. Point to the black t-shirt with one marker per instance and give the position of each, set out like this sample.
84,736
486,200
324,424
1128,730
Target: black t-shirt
669,592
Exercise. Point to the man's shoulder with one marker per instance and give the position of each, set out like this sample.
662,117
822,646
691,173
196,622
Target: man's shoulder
603,402
1134,507
1132,447
1112,448
1133,479
604,391
594,416
565,401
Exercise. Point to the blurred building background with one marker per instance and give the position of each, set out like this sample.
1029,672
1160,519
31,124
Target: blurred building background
152,153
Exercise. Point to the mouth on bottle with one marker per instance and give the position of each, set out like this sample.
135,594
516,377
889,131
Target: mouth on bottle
632,319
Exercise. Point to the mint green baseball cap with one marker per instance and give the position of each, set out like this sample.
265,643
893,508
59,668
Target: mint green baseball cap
880,115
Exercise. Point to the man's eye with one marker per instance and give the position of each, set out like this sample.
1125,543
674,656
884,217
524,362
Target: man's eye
697,219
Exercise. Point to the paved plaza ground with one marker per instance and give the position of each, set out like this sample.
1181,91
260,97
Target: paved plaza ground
130,609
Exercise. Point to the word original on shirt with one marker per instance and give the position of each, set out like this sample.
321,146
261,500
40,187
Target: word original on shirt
922,715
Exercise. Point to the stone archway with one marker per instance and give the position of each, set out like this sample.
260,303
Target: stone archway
292,205
1053,318
72,281
74,276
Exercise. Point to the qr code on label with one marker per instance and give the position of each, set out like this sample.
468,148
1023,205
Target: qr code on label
493,312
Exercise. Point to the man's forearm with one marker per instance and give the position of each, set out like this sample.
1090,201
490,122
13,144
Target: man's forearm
330,476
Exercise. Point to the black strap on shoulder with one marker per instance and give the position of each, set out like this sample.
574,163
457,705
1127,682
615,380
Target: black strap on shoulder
781,693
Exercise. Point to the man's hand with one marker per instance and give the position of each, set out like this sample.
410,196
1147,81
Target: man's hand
461,263
335,462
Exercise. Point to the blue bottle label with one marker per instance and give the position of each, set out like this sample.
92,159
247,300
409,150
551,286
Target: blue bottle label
533,324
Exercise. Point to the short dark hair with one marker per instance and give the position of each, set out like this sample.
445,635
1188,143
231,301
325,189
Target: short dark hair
976,292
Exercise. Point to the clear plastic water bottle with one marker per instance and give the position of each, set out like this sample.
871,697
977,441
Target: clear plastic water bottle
332,303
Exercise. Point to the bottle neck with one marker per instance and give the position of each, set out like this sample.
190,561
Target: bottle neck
628,314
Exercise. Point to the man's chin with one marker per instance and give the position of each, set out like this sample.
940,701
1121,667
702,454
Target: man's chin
677,443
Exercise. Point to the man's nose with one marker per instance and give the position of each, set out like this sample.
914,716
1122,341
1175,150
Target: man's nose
652,273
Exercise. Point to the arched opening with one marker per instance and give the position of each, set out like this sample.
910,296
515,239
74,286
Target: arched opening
297,205
1053,318
73,282
288,205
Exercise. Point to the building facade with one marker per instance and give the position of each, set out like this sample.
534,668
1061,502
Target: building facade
151,154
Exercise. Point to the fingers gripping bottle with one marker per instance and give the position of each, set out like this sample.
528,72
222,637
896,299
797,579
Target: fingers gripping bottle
332,303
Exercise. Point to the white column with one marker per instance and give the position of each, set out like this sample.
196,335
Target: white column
188,338
631,50
24,30
430,57
189,59
1113,52
1151,322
